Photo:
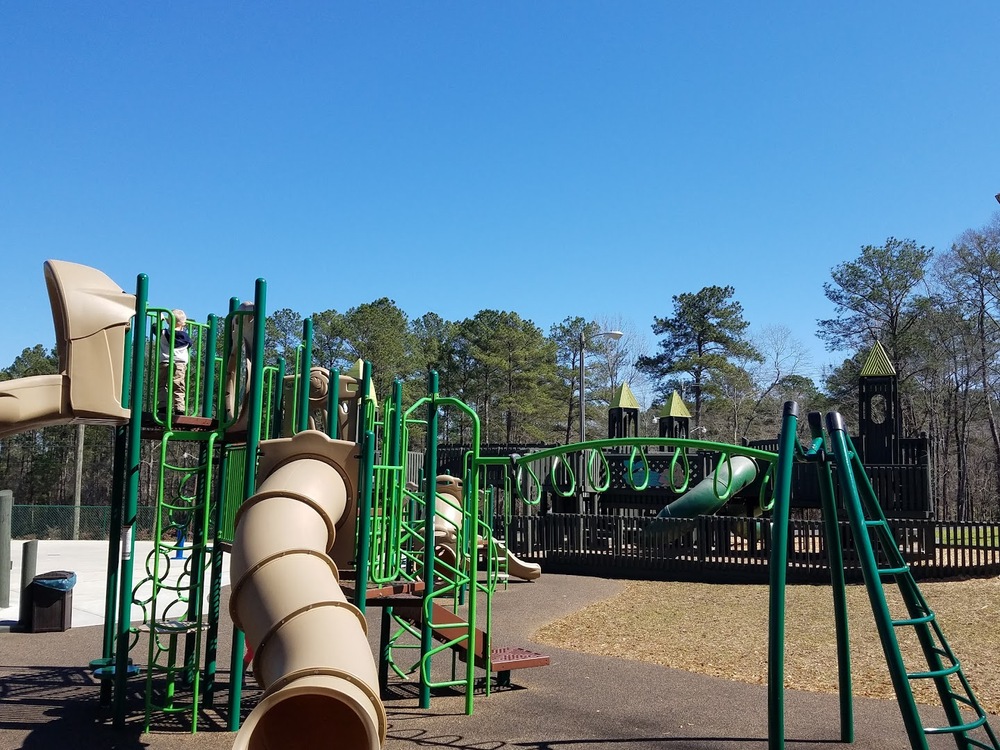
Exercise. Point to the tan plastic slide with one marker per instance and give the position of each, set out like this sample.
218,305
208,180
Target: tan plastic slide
311,652
91,315
448,518
515,565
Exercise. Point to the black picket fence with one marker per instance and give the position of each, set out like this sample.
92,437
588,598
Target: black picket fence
736,550
708,548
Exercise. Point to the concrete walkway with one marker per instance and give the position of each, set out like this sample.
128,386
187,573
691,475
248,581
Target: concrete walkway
89,561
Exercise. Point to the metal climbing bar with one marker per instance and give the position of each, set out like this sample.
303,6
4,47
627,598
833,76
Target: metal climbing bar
870,528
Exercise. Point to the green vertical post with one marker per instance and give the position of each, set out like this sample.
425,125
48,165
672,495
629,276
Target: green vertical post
305,365
114,554
778,566
873,582
130,503
471,487
365,472
199,526
249,482
430,493
215,595
393,426
333,406
838,584
208,400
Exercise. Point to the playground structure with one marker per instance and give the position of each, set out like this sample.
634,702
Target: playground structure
424,551
316,529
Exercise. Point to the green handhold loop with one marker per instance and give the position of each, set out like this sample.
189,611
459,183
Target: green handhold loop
564,462
537,486
768,480
680,455
629,478
604,469
726,459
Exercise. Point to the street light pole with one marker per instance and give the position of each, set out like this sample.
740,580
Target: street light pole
582,484
614,336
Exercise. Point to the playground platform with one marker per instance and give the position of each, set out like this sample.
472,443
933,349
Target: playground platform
581,702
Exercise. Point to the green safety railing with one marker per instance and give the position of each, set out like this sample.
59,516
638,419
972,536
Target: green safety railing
582,467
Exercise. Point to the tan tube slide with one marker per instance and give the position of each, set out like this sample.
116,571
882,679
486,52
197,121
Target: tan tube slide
311,651
91,314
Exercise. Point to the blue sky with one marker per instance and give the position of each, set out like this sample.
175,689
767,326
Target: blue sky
551,158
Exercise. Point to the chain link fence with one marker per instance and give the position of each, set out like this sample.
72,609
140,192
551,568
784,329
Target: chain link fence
58,522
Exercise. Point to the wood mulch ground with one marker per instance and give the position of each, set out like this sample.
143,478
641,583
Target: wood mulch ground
721,629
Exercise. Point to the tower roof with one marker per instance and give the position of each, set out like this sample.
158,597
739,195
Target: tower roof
675,407
623,398
877,365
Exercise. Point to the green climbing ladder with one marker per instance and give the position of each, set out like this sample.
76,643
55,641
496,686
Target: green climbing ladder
171,594
881,563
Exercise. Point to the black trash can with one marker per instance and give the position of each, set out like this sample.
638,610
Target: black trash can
52,602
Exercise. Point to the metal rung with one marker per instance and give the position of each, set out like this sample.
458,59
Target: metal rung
957,729
915,620
935,673
966,700
893,571
870,523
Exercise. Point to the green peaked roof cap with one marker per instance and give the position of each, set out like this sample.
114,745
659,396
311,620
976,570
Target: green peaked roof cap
675,407
877,365
623,398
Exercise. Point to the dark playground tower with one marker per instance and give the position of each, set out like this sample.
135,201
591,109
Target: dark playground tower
879,416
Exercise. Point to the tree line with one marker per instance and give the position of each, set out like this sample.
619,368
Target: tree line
936,314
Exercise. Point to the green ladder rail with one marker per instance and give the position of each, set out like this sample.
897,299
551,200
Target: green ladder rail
172,602
869,527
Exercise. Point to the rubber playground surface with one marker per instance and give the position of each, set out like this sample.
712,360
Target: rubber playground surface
48,699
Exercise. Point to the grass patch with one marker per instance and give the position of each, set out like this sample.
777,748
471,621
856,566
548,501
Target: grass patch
968,536
721,630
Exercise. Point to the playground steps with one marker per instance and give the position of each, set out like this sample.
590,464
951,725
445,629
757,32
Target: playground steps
502,659
882,562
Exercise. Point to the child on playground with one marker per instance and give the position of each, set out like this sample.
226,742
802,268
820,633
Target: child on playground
178,344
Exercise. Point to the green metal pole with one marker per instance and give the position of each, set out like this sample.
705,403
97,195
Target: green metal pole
305,365
114,554
333,406
777,573
277,409
249,482
472,540
208,399
395,439
131,499
215,595
873,582
208,404
199,528
430,493
366,470
838,584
